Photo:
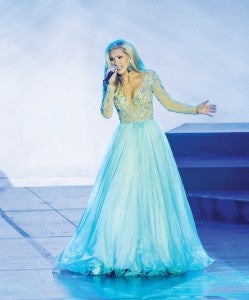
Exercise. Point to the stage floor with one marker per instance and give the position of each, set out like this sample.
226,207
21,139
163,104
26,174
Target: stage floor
37,223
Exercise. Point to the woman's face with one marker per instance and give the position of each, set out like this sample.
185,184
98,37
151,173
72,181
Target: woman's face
119,59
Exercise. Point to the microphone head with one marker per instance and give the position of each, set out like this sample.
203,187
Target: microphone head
112,69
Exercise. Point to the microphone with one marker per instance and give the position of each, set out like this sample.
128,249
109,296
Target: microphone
109,74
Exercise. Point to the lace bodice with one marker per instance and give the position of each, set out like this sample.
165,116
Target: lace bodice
140,108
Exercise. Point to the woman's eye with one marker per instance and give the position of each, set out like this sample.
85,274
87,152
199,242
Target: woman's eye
119,57
111,59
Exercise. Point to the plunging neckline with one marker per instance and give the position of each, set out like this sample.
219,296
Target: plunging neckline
138,91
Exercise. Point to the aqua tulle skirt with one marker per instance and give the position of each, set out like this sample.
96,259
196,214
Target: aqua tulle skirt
138,220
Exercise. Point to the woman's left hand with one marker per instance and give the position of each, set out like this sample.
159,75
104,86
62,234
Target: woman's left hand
206,109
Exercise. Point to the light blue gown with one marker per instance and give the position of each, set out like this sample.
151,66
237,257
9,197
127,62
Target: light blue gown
138,220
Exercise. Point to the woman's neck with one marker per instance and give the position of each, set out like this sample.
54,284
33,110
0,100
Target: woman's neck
127,76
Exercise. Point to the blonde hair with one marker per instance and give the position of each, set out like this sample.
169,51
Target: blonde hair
128,48
135,61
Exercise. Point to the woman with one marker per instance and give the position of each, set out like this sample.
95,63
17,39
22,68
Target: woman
138,220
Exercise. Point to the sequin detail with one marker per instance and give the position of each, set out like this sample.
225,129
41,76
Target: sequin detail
141,107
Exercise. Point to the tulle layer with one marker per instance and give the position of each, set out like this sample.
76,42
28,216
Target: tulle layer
138,220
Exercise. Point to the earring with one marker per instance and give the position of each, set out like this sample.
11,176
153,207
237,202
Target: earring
130,67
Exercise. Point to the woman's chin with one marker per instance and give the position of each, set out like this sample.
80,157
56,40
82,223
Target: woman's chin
121,71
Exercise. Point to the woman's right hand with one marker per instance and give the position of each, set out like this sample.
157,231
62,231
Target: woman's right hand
112,80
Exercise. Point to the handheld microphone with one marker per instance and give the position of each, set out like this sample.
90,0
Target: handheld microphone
110,73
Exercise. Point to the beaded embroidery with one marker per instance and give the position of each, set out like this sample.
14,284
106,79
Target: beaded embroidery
142,107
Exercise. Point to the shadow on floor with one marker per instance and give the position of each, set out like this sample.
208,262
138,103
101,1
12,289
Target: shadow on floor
108,287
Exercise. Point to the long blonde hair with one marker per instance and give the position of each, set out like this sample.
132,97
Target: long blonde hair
135,61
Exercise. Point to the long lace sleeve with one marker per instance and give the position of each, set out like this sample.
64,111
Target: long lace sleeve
166,101
107,102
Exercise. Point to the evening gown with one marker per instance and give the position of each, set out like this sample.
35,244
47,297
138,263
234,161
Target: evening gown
138,220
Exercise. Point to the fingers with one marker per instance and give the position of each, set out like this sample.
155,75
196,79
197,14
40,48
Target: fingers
211,111
212,108
113,78
112,69
207,109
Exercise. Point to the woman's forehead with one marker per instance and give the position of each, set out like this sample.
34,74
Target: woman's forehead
116,52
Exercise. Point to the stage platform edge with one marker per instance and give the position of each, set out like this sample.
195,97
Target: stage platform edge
213,161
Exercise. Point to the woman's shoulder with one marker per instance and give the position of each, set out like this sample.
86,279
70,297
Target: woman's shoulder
151,74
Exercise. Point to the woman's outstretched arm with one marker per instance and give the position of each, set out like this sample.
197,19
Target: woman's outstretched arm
179,107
